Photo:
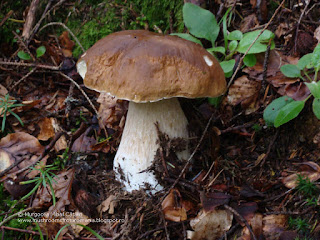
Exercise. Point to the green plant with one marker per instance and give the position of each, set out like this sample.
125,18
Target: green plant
284,109
61,160
46,177
40,51
7,105
305,186
6,204
202,23
304,238
85,227
299,224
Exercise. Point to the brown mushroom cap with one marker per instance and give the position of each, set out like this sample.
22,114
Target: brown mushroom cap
142,66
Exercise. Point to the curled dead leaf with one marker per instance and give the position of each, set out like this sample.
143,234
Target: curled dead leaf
210,201
244,91
311,170
46,129
18,147
174,207
210,225
62,187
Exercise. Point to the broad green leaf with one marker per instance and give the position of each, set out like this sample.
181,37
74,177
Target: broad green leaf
200,22
290,70
273,109
250,60
288,112
235,35
314,88
217,49
233,45
305,61
316,107
316,57
260,45
24,56
40,51
187,37
228,74
227,66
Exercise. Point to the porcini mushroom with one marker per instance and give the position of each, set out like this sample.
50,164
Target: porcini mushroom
150,70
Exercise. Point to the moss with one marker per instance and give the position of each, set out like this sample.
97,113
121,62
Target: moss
14,23
91,20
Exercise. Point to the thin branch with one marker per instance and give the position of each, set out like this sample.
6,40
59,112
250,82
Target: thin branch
68,29
88,99
22,79
242,219
34,65
241,59
190,158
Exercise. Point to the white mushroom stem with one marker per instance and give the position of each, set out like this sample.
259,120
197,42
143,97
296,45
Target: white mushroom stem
139,145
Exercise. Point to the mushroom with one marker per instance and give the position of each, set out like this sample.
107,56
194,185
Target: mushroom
151,71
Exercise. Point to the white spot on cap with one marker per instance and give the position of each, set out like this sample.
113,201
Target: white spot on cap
208,61
82,68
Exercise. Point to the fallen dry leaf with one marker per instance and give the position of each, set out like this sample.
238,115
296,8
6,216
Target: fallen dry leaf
108,205
16,147
210,225
62,187
274,225
246,210
311,170
84,143
282,29
3,91
52,222
291,87
174,207
248,23
265,227
210,201
46,129
256,225
317,34
112,111
244,91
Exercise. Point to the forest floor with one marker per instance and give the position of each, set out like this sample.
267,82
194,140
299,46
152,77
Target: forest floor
255,170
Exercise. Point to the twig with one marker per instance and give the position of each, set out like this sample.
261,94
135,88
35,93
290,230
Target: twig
144,235
241,59
298,24
65,27
20,40
88,99
265,70
164,225
230,231
34,30
269,148
35,65
30,19
15,215
43,154
22,79
190,158
6,17
229,129
241,219
36,27
68,102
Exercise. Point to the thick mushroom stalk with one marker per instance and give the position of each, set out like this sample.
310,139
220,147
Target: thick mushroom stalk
139,143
